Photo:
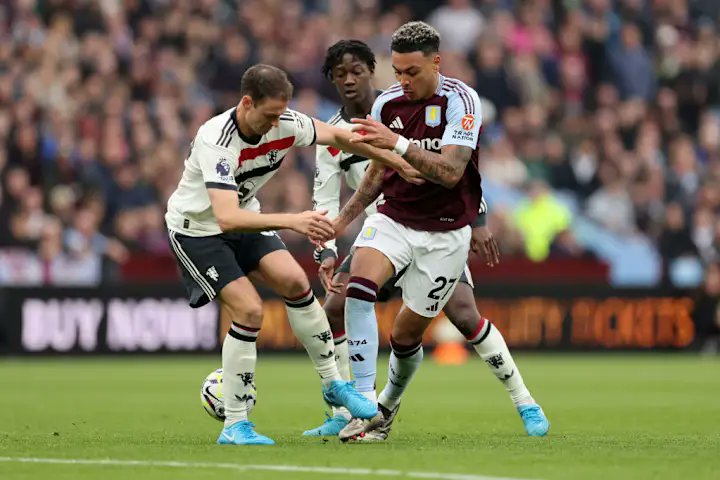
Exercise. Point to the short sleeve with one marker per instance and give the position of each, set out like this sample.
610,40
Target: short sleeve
216,164
464,118
376,109
303,126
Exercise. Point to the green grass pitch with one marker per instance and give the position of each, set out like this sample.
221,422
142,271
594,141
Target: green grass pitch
642,416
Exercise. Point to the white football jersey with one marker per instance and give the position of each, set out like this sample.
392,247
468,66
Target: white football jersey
221,158
331,164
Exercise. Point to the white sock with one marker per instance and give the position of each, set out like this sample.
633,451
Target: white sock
489,343
343,364
404,362
362,332
311,327
239,356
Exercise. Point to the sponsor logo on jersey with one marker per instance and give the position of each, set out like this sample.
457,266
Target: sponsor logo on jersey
428,143
396,124
467,122
432,115
245,190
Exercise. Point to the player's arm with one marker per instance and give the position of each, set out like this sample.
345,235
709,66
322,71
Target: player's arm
231,217
326,191
445,168
217,165
482,239
368,191
342,139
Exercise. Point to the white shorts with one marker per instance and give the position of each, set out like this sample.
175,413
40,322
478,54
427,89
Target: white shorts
434,260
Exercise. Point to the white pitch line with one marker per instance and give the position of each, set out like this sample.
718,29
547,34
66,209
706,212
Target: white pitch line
241,467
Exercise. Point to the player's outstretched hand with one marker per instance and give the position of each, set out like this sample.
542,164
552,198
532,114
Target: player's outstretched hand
326,273
483,240
368,130
314,224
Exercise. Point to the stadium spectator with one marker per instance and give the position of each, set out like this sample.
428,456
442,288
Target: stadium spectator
616,105
540,219
459,24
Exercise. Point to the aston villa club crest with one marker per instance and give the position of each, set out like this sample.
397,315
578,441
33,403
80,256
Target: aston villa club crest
432,115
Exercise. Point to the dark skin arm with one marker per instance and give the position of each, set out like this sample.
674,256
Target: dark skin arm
445,168
484,242
368,191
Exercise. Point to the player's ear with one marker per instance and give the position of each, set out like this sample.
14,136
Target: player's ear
436,62
246,101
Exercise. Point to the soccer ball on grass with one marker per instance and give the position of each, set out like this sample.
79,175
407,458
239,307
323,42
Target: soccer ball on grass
211,396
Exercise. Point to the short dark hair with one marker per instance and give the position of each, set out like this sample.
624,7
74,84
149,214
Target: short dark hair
265,81
357,48
414,37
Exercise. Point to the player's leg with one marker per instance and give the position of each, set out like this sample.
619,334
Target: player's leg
489,343
334,307
381,249
405,359
438,262
211,271
266,256
239,357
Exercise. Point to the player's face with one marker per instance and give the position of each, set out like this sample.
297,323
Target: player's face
417,73
352,78
263,115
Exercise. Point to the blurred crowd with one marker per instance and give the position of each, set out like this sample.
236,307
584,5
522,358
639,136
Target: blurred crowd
598,110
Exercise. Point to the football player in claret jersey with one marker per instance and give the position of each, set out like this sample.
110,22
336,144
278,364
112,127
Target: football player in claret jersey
422,230
222,241
349,65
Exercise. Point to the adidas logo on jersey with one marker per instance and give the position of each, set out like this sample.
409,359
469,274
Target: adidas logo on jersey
397,124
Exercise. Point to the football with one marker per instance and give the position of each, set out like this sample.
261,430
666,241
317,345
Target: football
211,396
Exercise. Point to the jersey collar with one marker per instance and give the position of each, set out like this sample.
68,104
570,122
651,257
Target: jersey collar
441,81
249,140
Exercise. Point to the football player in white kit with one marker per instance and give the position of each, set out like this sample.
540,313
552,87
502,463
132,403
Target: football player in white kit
349,65
222,241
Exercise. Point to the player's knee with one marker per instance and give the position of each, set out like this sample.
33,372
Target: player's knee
463,314
295,285
465,318
407,334
247,313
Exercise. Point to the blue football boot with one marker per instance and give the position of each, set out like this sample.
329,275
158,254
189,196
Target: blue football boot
534,419
343,394
330,428
242,433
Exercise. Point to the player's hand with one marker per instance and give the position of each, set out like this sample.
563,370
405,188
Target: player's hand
370,131
314,224
483,240
411,175
338,227
326,273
